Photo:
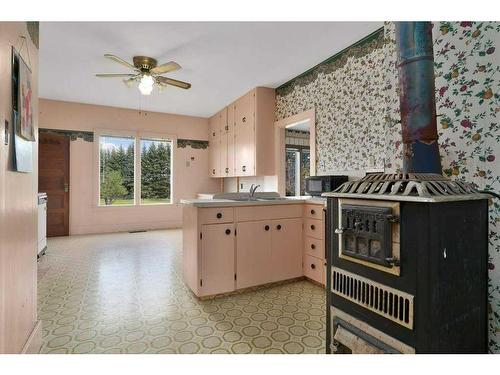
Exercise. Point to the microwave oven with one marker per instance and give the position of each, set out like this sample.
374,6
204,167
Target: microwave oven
317,185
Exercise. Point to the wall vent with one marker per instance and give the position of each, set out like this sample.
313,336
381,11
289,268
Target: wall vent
391,303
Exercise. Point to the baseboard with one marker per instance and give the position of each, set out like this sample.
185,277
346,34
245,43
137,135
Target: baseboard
116,228
34,342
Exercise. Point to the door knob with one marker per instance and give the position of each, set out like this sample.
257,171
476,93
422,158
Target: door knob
313,246
313,227
313,212
313,266
278,227
228,231
266,227
219,215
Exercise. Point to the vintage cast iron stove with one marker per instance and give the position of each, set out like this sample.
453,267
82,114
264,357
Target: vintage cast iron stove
407,266
407,253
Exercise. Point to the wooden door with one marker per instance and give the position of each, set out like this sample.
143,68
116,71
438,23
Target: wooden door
253,254
214,146
53,179
286,249
217,259
245,135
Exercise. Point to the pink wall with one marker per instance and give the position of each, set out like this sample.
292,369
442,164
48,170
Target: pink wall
85,215
18,211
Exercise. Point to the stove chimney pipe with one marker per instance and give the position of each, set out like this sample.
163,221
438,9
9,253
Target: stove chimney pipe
417,98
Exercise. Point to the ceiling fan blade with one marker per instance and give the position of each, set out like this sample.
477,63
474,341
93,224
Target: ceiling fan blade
174,82
120,61
105,75
167,67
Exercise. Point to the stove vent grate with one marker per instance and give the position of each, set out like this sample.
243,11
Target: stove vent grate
425,185
391,303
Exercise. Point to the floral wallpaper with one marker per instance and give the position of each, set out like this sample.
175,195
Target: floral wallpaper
357,108
347,92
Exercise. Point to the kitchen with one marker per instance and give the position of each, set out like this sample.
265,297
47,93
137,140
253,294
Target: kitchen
293,213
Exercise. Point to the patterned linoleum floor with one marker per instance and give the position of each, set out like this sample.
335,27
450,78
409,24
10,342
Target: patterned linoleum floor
123,293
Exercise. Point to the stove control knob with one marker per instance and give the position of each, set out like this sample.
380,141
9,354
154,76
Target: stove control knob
339,230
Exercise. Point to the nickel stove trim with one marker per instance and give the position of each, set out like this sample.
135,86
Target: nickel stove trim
383,300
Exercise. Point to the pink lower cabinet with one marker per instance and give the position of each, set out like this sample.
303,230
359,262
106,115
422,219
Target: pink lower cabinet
253,253
286,249
217,259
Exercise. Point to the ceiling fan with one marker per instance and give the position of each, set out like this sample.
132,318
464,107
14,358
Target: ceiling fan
146,73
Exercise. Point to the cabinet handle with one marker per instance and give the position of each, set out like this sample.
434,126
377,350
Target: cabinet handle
266,227
227,170
219,215
244,168
213,134
278,227
313,266
228,231
213,171
313,246
313,212
244,119
227,127
313,227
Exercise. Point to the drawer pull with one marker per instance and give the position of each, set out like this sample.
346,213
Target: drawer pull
266,227
278,227
213,171
313,212
213,134
313,246
228,231
227,170
313,266
244,168
244,119
313,227
219,215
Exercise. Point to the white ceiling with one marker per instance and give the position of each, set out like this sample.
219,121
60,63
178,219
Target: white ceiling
222,60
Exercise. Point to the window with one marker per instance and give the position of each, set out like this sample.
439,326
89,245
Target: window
116,170
134,170
297,162
155,171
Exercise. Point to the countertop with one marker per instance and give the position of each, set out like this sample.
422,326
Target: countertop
230,203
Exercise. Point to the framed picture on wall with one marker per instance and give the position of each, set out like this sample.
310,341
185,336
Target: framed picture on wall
23,135
22,93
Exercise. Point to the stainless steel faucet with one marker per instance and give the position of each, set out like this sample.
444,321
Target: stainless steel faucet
253,189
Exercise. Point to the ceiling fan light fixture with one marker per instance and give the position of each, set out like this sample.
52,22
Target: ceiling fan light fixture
146,84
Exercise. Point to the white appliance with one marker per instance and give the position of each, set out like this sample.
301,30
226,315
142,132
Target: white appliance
42,224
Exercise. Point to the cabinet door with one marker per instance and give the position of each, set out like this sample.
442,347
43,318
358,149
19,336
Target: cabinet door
230,141
245,135
253,254
230,117
224,168
217,259
214,146
230,154
286,249
223,121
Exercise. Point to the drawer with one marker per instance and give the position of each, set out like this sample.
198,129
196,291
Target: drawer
275,211
314,211
314,228
216,215
314,268
314,247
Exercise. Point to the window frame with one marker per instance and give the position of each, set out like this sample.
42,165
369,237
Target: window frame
137,136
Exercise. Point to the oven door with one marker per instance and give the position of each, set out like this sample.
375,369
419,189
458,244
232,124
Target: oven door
369,233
